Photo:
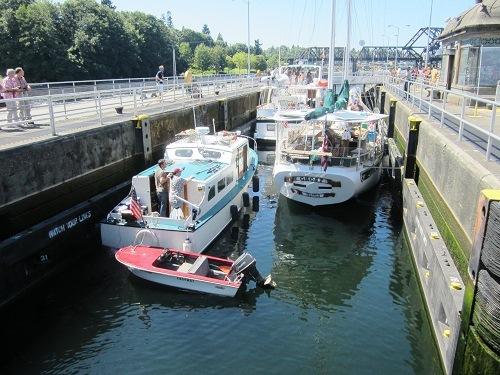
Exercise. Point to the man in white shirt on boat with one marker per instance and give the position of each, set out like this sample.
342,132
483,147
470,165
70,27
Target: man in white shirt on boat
161,181
177,190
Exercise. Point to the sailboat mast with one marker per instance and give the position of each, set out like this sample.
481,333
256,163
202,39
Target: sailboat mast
331,55
347,54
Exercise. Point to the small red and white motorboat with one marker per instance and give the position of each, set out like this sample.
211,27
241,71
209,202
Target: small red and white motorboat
190,271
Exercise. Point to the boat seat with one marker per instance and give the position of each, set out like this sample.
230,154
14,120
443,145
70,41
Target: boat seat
184,267
200,266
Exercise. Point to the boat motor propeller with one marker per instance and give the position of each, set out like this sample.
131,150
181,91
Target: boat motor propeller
246,265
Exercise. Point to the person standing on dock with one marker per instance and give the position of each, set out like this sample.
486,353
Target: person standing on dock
24,105
11,90
159,79
161,182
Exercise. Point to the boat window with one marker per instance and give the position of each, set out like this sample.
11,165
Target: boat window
221,185
271,127
211,192
184,152
229,179
209,154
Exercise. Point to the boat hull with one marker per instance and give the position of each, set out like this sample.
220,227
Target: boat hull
184,282
116,236
314,187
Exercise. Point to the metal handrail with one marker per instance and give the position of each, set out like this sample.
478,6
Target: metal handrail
50,109
393,85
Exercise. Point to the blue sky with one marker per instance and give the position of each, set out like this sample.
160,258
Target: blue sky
304,22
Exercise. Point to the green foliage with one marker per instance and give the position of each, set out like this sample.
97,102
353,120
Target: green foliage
240,60
218,58
257,49
258,62
90,39
202,57
186,52
205,30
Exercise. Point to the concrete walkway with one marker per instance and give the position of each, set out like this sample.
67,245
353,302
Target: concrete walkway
477,120
84,113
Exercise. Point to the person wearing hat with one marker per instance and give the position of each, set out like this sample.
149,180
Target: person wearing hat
176,190
161,182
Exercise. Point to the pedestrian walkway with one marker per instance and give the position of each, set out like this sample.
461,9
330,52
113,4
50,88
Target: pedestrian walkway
472,118
65,114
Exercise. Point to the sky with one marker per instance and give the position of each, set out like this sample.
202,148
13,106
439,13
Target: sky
305,22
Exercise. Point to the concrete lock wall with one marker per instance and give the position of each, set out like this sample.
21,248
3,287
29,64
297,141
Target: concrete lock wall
439,279
40,179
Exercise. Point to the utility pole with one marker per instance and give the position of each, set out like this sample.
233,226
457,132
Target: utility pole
331,55
248,38
428,37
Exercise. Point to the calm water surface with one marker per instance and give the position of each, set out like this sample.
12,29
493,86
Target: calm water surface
347,303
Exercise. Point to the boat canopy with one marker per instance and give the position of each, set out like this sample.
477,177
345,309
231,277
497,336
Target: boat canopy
329,105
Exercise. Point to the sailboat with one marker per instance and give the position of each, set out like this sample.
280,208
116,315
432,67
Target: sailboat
336,154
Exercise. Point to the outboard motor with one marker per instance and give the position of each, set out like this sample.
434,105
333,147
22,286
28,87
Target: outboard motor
246,264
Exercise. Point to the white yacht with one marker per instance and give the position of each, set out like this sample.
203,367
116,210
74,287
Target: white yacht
331,159
293,98
218,169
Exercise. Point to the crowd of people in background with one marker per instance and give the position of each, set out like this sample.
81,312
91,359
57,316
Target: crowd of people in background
14,86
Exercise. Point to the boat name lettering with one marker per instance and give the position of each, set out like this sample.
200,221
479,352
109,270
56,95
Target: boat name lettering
313,195
56,231
320,180
185,279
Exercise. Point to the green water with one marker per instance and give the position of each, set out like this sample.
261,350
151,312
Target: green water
347,302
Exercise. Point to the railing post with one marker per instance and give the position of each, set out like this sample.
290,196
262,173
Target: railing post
74,90
51,115
492,129
431,93
100,107
135,100
64,103
444,108
421,91
461,125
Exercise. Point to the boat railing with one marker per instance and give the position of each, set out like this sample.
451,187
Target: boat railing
338,156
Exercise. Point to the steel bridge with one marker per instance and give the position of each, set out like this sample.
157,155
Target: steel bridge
408,52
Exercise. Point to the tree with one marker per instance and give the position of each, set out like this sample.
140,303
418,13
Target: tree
240,60
43,57
186,53
220,41
193,37
202,57
237,47
218,58
108,3
258,62
168,19
230,62
257,47
205,30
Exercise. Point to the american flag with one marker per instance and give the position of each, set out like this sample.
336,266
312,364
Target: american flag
324,148
135,207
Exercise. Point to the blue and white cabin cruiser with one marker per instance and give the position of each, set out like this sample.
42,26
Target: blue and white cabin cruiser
331,159
218,169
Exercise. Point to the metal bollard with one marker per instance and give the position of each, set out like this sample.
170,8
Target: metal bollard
392,115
